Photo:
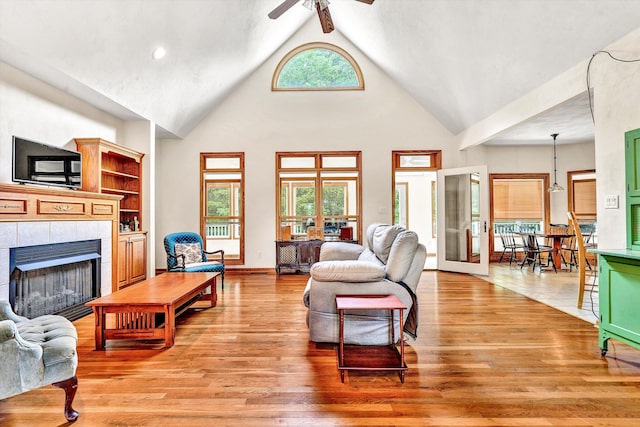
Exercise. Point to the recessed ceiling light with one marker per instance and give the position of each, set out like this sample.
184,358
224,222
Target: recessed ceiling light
159,53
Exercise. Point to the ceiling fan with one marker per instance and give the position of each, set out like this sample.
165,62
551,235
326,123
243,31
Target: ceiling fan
322,6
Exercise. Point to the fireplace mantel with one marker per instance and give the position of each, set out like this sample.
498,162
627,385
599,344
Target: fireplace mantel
20,203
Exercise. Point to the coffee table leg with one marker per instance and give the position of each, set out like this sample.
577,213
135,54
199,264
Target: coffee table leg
169,325
214,293
99,318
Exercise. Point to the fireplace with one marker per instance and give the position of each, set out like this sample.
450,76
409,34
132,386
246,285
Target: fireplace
55,278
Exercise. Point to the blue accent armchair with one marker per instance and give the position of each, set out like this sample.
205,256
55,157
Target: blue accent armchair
185,252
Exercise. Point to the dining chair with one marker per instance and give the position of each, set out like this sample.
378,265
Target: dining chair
582,261
509,243
533,253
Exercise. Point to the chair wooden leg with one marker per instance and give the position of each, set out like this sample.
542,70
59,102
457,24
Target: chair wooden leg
70,387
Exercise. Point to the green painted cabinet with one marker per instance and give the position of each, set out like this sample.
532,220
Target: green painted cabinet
619,290
619,269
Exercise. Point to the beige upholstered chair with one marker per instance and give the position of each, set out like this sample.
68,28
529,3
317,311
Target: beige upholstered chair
36,353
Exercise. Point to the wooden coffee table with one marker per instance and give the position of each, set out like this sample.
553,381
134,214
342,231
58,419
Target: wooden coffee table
371,357
135,308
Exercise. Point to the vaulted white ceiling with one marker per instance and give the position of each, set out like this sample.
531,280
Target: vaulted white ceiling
461,59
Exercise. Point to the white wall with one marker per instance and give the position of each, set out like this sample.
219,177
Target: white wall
616,95
260,122
36,111
141,137
537,159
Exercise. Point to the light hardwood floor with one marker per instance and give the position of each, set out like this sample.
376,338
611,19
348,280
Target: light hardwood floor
485,356
559,290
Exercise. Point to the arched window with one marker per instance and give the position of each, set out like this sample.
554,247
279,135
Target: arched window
317,66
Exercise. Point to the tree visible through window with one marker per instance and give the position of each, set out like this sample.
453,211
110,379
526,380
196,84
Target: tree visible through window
317,66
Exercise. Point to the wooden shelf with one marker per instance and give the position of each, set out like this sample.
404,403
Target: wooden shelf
118,191
122,174
113,169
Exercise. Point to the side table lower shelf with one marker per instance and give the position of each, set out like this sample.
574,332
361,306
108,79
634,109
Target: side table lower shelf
371,357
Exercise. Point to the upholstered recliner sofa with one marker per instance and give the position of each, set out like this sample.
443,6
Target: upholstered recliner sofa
391,263
37,352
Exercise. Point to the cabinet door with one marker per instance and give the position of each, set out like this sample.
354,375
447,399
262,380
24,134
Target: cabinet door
632,166
138,257
123,261
305,254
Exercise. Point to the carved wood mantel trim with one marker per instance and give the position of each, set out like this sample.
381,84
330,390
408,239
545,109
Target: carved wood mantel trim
30,203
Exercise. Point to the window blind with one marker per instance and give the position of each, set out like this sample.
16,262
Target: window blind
515,199
584,198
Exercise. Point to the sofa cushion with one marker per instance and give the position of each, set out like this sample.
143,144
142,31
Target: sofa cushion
401,255
347,271
383,238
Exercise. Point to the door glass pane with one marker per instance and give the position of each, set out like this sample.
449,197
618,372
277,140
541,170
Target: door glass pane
218,199
401,204
462,200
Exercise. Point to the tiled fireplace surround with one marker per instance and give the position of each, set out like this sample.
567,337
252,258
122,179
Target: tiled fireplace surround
20,234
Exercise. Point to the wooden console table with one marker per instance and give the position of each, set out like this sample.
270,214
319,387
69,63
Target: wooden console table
371,357
299,255
134,308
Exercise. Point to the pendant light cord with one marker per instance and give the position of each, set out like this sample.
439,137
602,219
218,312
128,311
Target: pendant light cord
589,77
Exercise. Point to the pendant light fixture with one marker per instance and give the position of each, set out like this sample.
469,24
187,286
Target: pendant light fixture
555,187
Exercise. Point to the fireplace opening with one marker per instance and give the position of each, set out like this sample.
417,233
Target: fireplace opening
55,279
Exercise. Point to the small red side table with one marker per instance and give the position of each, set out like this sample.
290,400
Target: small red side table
371,357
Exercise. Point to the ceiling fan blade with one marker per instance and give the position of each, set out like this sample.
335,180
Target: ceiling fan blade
325,19
282,8
366,1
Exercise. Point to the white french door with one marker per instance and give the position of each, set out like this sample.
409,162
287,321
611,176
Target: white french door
463,220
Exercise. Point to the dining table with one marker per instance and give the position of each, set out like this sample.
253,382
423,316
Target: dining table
557,239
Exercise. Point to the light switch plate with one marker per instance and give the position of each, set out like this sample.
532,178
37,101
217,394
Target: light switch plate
611,202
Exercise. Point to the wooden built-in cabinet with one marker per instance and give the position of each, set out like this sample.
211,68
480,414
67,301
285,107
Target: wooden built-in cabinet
110,168
132,258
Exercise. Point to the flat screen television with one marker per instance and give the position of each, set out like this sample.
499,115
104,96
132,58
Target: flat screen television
38,163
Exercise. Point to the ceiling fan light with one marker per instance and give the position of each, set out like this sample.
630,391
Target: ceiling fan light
308,4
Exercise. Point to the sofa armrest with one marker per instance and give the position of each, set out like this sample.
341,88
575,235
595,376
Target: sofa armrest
347,271
340,251
6,313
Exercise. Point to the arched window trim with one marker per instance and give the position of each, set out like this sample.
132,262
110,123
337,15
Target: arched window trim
317,45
